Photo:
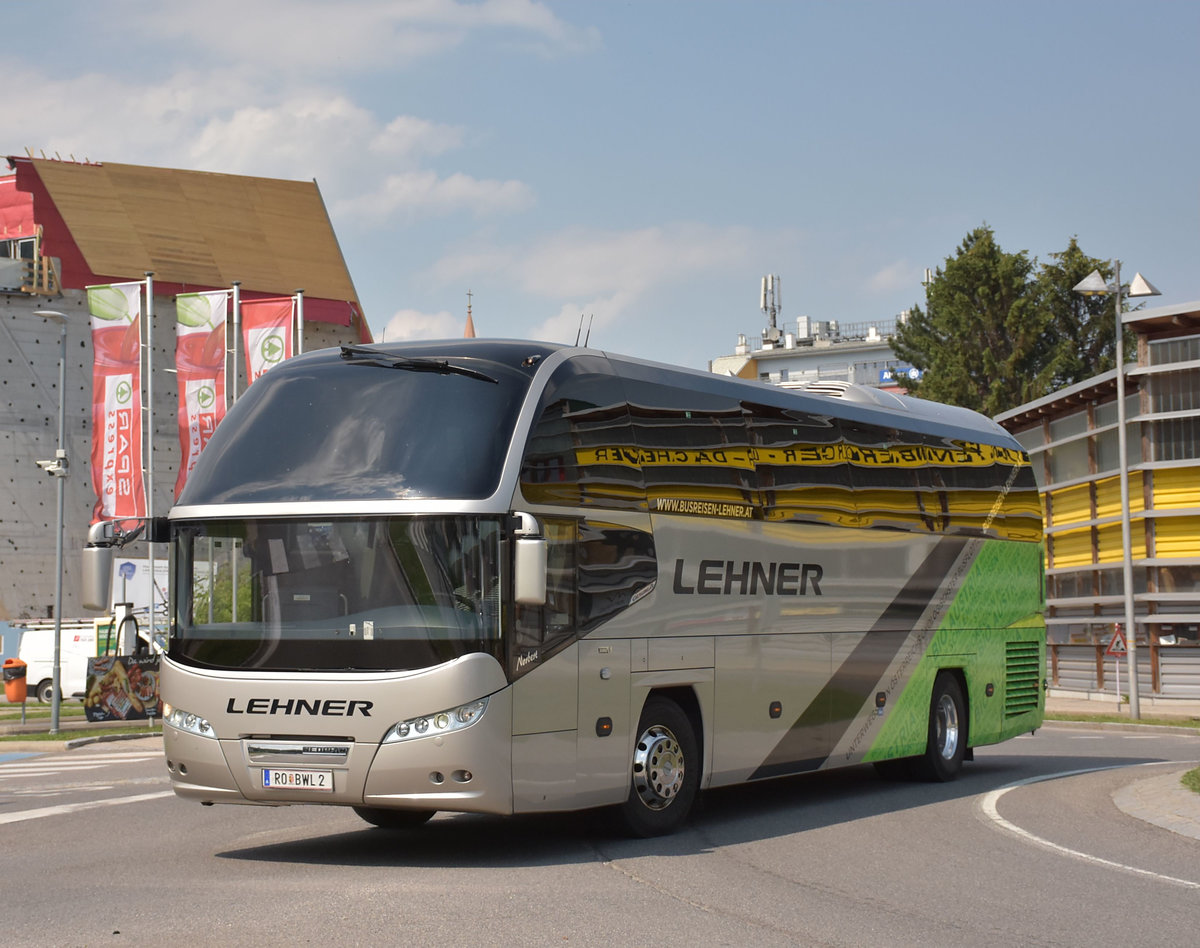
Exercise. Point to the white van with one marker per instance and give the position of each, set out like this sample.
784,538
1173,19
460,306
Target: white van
36,649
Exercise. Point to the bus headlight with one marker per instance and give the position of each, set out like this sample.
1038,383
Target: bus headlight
443,722
186,721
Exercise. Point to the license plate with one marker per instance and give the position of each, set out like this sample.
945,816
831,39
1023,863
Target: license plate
297,779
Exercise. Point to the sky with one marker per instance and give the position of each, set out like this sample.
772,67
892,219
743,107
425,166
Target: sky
640,166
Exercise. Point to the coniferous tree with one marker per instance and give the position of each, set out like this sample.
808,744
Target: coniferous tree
1081,330
981,340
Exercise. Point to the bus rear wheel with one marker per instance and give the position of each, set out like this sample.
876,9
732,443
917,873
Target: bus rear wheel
947,743
393,819
665,771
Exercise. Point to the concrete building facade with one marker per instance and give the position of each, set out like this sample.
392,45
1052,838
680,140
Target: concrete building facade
818,351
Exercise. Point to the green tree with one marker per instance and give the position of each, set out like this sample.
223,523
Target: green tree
1080,330
1000,330
219,597
981,340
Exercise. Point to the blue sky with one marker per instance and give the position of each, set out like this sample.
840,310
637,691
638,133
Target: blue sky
646,163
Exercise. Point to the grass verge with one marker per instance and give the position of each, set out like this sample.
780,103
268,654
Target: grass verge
1125,719
1191,780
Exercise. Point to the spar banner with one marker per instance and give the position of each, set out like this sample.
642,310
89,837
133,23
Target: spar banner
200,370
266,334
117,401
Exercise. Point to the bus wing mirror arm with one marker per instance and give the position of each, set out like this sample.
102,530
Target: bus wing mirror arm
529,562
104,537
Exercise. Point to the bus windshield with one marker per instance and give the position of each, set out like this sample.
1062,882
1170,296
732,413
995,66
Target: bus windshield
363,594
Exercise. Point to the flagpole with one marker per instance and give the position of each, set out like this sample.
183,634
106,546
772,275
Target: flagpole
237,327
299,322
150,446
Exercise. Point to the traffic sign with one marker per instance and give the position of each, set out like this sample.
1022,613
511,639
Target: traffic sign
1117,646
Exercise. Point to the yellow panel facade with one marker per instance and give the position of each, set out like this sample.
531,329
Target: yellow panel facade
1176,537
1109,542
1071,548
1176,487
1071,505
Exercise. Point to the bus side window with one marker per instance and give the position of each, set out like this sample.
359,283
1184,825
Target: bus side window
546,627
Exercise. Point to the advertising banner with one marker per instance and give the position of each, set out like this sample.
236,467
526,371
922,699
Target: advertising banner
200,368
122,688
116,312
266,334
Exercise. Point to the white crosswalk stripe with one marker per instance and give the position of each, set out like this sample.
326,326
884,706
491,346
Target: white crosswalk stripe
48,766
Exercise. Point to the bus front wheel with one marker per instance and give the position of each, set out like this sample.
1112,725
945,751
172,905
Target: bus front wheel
947,745
665,769
393,819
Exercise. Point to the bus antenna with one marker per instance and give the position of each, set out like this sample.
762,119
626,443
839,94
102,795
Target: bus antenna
589,332
579,329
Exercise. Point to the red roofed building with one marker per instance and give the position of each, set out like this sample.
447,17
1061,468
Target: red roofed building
67,225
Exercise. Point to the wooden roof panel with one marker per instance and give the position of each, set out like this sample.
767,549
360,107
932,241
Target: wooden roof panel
200,228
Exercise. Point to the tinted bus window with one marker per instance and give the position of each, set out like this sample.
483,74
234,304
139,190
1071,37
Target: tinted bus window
693,450
581,451
801,467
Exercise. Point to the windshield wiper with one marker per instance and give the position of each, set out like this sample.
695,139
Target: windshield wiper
361,355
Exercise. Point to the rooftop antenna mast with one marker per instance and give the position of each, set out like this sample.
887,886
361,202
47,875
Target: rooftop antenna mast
771,303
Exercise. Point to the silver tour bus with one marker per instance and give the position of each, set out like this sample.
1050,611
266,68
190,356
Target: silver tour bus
508,577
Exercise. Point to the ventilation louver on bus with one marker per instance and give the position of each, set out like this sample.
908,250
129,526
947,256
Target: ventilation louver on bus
862,394
1021,681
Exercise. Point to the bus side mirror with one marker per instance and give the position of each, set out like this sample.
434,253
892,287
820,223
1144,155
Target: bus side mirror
529,561
96,594
529,571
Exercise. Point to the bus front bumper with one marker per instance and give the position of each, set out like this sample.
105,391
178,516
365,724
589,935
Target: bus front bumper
469,770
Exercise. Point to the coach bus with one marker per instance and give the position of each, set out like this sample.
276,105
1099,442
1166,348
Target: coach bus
508,577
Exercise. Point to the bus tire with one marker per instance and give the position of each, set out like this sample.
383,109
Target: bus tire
388,819
665,771
947,744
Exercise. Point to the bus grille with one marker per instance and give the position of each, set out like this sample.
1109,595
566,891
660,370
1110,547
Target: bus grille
1020,678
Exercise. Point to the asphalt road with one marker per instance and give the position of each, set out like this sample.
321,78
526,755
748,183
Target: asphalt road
100,852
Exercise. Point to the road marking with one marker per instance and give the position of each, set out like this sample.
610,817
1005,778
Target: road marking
76,807
991,800
72,763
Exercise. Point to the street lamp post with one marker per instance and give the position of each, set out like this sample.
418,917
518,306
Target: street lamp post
57,468
1095,285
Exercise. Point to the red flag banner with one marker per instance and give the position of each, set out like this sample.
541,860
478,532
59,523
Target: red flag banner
266,334
200,371
116,312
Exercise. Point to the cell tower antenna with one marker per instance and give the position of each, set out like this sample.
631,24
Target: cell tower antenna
771,303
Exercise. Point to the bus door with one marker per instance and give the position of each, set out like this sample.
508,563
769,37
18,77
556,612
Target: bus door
543,665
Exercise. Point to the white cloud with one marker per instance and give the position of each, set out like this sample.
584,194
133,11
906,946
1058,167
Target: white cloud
409,324
581,320
580,263
407,136
318,38
605,275
893,277
424,192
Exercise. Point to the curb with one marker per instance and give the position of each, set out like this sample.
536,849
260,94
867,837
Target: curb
47,747
108,739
